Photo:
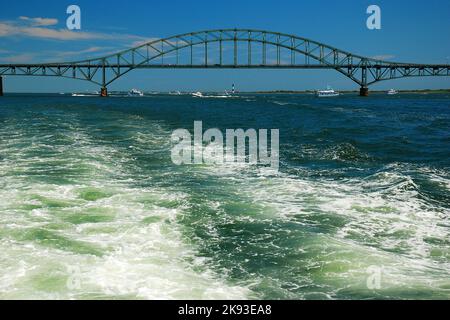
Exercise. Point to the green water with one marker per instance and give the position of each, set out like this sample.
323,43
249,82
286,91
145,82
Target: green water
91,205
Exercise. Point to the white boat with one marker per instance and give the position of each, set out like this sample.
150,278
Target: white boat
392,92
135,93
197,94
87,94
83,95
327,93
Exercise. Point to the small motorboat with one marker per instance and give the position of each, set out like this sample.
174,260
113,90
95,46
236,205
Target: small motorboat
87,94
197,94
392,92
135,93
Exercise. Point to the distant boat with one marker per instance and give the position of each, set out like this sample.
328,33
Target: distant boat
175,93
327,93
197,94
87,94
135,93
392,92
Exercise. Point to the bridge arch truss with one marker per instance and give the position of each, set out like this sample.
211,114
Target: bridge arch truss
230,49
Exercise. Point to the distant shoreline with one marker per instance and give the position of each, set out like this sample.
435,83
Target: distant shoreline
422,91
348,91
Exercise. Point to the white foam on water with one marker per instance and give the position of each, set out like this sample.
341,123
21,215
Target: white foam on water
386,222
133,247
283,103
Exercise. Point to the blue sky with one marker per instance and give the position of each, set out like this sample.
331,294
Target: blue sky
35,31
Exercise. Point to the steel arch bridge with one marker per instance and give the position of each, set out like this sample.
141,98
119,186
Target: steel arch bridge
229,48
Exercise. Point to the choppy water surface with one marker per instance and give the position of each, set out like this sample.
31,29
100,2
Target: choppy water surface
91,205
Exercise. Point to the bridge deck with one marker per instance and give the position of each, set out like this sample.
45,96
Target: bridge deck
225,66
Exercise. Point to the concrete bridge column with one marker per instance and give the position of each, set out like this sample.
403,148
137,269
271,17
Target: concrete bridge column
104,92
364,92
1,86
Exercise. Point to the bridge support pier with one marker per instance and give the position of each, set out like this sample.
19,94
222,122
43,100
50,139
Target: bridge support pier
104,92
364,92
1,86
